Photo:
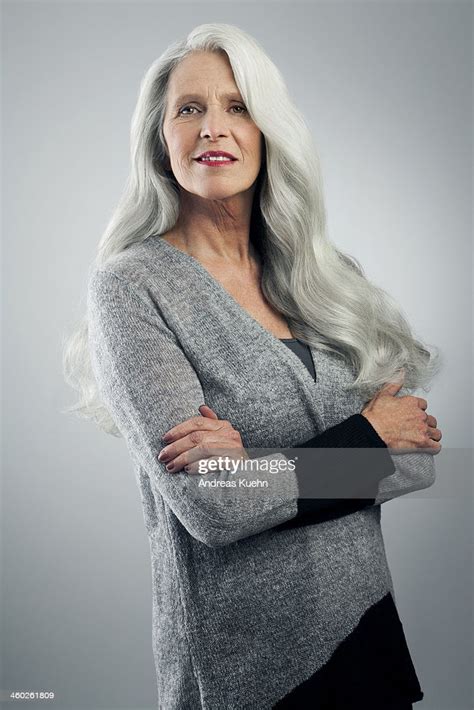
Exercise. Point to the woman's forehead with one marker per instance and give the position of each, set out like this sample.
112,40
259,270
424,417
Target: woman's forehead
197,70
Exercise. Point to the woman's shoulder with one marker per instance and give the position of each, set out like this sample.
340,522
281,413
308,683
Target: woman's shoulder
136,264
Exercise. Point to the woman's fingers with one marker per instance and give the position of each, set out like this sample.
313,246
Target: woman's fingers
180,446
434,433
207,412
194,424
210,448
193,439
192,435
433,436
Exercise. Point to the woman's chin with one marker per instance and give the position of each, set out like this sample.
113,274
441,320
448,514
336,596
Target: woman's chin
217,192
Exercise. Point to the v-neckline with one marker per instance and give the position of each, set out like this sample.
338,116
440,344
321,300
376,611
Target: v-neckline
290,356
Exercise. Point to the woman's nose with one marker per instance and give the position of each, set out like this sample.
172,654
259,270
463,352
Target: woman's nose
214,123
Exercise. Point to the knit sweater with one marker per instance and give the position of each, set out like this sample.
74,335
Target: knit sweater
245,610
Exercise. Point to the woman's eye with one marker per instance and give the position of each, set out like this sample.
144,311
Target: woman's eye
181,110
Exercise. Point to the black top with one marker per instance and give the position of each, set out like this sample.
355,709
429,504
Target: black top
303,352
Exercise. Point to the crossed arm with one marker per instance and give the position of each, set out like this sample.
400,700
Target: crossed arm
138,365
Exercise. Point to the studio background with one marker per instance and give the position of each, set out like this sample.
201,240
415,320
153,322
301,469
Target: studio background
386,90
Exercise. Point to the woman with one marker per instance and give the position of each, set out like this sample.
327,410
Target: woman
216,290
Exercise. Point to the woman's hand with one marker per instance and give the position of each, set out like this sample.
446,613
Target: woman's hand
204,437
402,422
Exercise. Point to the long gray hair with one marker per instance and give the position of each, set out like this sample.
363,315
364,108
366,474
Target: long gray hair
323,293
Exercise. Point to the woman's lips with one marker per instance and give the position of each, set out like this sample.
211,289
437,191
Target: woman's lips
215,163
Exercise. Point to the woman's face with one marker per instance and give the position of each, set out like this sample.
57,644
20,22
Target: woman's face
205,112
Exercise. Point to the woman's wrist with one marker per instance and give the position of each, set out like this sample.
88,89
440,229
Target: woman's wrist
371,429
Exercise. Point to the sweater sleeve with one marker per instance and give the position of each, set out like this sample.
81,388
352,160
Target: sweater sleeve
383,474
355,432
148,385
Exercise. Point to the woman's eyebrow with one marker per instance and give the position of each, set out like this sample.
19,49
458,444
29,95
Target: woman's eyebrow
198,97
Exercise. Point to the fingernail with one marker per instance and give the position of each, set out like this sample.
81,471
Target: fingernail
170,467
166,438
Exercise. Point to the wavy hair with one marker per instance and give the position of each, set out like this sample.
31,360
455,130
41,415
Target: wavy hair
324,294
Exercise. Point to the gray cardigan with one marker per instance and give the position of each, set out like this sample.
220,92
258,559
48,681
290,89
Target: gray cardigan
243,610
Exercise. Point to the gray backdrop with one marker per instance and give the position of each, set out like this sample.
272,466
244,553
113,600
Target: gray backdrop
386,88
